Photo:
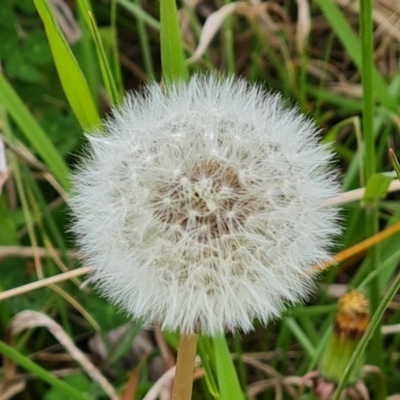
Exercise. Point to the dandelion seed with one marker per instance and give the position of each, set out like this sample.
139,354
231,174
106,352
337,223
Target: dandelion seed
202,207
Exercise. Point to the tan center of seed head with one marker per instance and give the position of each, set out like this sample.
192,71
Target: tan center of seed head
208,199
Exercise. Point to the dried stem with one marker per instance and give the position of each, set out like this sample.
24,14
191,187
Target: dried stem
183,382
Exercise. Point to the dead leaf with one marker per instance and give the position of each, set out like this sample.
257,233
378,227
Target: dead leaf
66,20
216,19
9,391
303,24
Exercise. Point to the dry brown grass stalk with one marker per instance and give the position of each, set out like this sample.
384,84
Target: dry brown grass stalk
32,319
44,282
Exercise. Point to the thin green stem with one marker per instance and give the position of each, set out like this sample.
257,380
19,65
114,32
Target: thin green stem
145,46
229,43
303,79
139,13
367,86
241,368
366,31
114,49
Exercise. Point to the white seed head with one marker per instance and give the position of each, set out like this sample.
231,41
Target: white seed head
202,207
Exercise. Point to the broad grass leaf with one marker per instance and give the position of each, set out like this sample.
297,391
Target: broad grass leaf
72,79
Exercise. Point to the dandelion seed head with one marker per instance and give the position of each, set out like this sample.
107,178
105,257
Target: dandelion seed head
202,207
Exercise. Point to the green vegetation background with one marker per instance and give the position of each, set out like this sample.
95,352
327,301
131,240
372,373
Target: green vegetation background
343,71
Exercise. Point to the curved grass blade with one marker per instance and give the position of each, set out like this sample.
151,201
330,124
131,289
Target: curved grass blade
301,336
72,79
394,258
69,391
204,349
33,132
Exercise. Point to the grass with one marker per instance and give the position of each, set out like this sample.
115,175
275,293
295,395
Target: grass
346,75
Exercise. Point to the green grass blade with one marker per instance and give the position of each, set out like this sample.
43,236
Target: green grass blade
88,57
172,58
106,73
68,391
208,371
240,366
86,54
145,46
375,322
394,258
72,79
370,166
114,48
228,381
33,132
352,45
113,79
301,336
229,43
395,162
377,188
139,13
85,8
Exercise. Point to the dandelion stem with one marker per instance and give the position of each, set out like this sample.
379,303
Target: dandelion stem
184,367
